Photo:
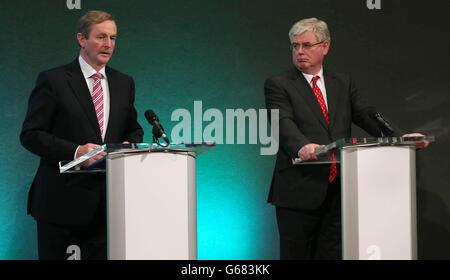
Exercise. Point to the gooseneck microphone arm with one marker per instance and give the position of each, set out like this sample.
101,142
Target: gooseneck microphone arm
382,123
158,130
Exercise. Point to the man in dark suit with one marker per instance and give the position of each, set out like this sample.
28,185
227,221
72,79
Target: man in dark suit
316,107
73,110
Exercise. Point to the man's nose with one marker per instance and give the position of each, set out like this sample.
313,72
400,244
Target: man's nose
108,43
300,51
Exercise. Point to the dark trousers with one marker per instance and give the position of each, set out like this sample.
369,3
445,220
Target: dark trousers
312,234
56,242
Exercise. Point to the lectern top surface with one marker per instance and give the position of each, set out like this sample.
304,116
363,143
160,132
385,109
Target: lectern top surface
333,148
99,166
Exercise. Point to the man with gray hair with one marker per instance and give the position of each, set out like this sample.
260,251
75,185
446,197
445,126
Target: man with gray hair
316,107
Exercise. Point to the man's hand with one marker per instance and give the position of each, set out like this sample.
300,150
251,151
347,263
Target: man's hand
307,152
419,144
84,149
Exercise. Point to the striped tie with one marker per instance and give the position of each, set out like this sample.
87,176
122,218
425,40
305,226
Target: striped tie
97,98
319,96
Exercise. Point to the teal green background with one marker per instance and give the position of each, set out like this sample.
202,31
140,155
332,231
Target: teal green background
221,52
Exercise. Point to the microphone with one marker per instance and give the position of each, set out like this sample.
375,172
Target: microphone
158,130
382,123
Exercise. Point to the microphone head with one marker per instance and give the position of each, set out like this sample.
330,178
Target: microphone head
151,116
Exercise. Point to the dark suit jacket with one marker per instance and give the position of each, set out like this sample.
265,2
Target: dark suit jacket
302,122
61,116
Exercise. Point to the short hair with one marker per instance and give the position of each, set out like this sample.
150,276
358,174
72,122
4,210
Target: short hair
318,27
91,17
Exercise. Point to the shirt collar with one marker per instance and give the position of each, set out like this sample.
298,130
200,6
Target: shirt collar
88,70
309,77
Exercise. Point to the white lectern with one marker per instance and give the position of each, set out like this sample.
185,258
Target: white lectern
378,182
151,200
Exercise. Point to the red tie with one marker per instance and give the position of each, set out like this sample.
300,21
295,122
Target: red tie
319,96
97,98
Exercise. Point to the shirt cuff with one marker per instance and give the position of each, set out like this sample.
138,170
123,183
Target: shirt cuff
75,155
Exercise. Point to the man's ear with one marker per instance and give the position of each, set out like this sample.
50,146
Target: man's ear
326,47
81,39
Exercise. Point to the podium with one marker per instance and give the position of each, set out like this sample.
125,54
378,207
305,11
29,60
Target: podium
151,199
378,181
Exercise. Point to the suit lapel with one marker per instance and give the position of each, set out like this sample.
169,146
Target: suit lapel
305,90
112,85
81,91
332,96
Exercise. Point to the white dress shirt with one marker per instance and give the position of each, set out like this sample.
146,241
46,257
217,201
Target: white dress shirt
320,83
88,71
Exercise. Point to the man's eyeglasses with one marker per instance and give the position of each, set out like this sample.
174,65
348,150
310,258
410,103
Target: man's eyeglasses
305,46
